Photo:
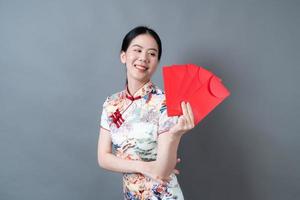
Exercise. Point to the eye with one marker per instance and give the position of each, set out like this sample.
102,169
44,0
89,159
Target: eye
137,50
152,54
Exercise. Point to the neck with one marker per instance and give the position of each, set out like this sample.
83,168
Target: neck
134,86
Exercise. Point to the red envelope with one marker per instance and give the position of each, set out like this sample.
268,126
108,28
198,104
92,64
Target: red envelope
172,84
193,84
191,72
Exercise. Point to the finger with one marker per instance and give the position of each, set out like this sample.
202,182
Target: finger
182,121
178,160
190,111
176,171
190,114
185,112
165,181
162,179
159,179
183,107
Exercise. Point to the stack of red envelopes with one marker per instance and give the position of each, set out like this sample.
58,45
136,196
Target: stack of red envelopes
193,84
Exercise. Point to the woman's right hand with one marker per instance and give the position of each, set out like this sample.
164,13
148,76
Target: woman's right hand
185,121
148,169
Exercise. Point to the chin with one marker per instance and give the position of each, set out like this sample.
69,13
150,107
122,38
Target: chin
141,79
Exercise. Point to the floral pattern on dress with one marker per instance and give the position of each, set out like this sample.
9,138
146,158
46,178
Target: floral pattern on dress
136,139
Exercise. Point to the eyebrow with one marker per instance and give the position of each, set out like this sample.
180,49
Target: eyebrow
142,47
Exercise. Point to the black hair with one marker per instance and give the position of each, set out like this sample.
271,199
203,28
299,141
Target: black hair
139,30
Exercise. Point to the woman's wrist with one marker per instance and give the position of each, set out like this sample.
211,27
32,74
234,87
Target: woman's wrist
146,168
138,167
175,135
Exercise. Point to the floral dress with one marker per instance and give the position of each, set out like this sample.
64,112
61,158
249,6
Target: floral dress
135,122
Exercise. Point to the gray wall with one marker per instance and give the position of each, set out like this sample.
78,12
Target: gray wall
60,59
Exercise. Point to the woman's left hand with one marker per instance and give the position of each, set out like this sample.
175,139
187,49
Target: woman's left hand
185,121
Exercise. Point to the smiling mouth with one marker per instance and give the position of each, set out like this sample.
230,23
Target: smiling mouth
141,67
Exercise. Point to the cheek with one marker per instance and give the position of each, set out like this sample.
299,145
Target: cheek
154,61
132,57
153,68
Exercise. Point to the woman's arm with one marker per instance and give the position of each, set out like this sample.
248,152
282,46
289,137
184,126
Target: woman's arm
168,144
166,154
162,167
107,160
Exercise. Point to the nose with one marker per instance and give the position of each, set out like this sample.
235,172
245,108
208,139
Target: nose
143,57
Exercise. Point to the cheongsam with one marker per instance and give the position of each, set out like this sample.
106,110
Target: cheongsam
135,122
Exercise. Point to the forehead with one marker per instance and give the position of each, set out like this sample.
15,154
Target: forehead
145,41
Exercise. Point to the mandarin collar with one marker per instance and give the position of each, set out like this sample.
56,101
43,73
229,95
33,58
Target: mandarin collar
143,91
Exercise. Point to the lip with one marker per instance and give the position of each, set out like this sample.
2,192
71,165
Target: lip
143,67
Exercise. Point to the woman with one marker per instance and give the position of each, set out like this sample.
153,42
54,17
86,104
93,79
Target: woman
135,122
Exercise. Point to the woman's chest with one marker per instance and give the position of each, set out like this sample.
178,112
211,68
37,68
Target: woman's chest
138,131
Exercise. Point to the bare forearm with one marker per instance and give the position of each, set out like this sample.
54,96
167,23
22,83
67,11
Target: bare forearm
168,142
161,167
112,163
167,156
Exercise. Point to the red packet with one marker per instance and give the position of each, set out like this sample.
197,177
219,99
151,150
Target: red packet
173,77
194,84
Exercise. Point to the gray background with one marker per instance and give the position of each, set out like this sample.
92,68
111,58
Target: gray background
60,59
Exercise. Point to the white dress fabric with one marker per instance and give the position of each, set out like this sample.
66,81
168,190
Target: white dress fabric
135,123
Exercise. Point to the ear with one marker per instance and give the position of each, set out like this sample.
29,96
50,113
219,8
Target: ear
123,57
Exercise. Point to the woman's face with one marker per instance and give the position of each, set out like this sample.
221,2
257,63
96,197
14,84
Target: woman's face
141,58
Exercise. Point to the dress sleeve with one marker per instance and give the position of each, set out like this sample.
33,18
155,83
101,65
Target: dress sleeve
104,122
165,122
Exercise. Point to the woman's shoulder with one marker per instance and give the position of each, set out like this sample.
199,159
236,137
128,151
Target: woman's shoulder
114,99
